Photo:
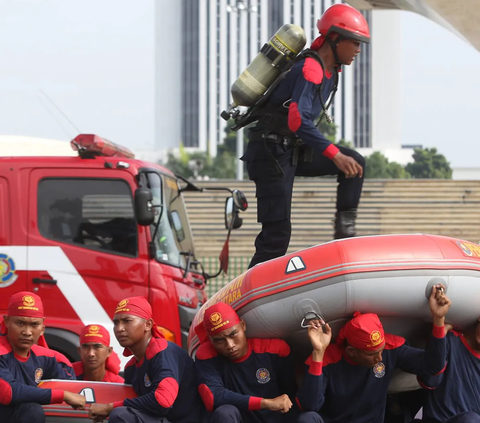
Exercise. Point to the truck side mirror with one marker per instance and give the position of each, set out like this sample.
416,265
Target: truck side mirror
232,219
144,210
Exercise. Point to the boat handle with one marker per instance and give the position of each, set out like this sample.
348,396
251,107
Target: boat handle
315,316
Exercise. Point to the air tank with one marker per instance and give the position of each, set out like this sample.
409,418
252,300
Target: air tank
274,57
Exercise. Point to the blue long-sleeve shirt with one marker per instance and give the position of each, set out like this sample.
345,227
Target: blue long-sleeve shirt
457,389
266,371
301,86
165,383
19,376
341,391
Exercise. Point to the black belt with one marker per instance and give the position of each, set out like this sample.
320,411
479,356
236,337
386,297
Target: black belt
274,138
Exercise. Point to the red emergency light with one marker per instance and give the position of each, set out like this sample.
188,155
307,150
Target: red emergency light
98,146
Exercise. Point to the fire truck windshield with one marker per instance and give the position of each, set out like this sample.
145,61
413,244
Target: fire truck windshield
173,237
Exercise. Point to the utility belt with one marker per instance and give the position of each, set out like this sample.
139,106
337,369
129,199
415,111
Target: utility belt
271,137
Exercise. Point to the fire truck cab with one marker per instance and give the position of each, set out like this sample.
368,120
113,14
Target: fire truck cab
86,231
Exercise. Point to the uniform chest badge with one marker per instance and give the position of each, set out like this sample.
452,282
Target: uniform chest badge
147,380
263,375
38,375
379,370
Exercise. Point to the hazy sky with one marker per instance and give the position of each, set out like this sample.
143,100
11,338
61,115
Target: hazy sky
95,59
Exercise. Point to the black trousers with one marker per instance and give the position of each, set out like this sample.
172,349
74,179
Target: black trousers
28,412
274,190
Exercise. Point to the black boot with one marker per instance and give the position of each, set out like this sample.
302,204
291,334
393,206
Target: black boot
345,224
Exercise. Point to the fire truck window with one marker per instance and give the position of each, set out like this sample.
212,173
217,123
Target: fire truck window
92,213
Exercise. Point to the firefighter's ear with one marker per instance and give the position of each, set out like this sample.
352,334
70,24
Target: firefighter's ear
148,324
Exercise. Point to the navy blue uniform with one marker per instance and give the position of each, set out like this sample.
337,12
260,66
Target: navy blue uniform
19,378
165,384
274,189
266,371
342,391
456,390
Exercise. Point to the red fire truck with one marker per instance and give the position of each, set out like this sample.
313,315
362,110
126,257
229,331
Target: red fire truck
86,231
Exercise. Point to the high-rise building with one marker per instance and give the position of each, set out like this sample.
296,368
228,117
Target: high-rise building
218,40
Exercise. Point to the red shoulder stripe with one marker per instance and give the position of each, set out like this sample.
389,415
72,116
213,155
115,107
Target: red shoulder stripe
312,71
207,396
166,392
272,346
155,346
206,351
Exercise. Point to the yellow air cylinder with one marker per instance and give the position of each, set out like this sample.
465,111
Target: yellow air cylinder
274,57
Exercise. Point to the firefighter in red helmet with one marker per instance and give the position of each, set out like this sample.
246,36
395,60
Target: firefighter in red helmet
286,141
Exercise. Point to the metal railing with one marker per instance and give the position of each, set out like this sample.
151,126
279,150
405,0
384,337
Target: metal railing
236,266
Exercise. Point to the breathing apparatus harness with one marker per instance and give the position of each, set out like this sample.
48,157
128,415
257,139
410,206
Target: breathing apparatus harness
274,116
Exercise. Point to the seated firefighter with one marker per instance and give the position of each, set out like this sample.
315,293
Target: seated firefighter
453,395
241,379
99,362
25,361
347,381
161,372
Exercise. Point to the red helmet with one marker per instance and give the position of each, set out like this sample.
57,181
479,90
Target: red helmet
344,20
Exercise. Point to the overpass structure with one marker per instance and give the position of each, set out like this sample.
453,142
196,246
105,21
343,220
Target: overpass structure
460,16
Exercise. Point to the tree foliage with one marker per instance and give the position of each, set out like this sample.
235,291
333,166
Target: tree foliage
378,166
428,163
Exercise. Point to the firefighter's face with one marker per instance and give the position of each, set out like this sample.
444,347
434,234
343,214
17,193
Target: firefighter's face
347,50
94,355
231,343
23,332
130,330
365,358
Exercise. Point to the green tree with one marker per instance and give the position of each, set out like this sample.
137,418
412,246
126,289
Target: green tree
327,129
428,163
378,166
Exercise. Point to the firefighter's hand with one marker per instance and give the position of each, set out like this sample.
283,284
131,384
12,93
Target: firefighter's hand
98,412
75,400
281,403
439,304
348,165
319,339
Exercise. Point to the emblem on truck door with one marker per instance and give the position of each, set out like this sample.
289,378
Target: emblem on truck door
7,271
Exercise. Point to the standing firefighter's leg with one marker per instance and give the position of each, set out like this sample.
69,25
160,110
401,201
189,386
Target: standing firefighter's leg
348,196
349,190
269,165
345,224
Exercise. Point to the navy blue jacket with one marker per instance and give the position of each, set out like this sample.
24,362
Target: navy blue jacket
456,389
165,383
19,376
266,371
342,391
301,86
